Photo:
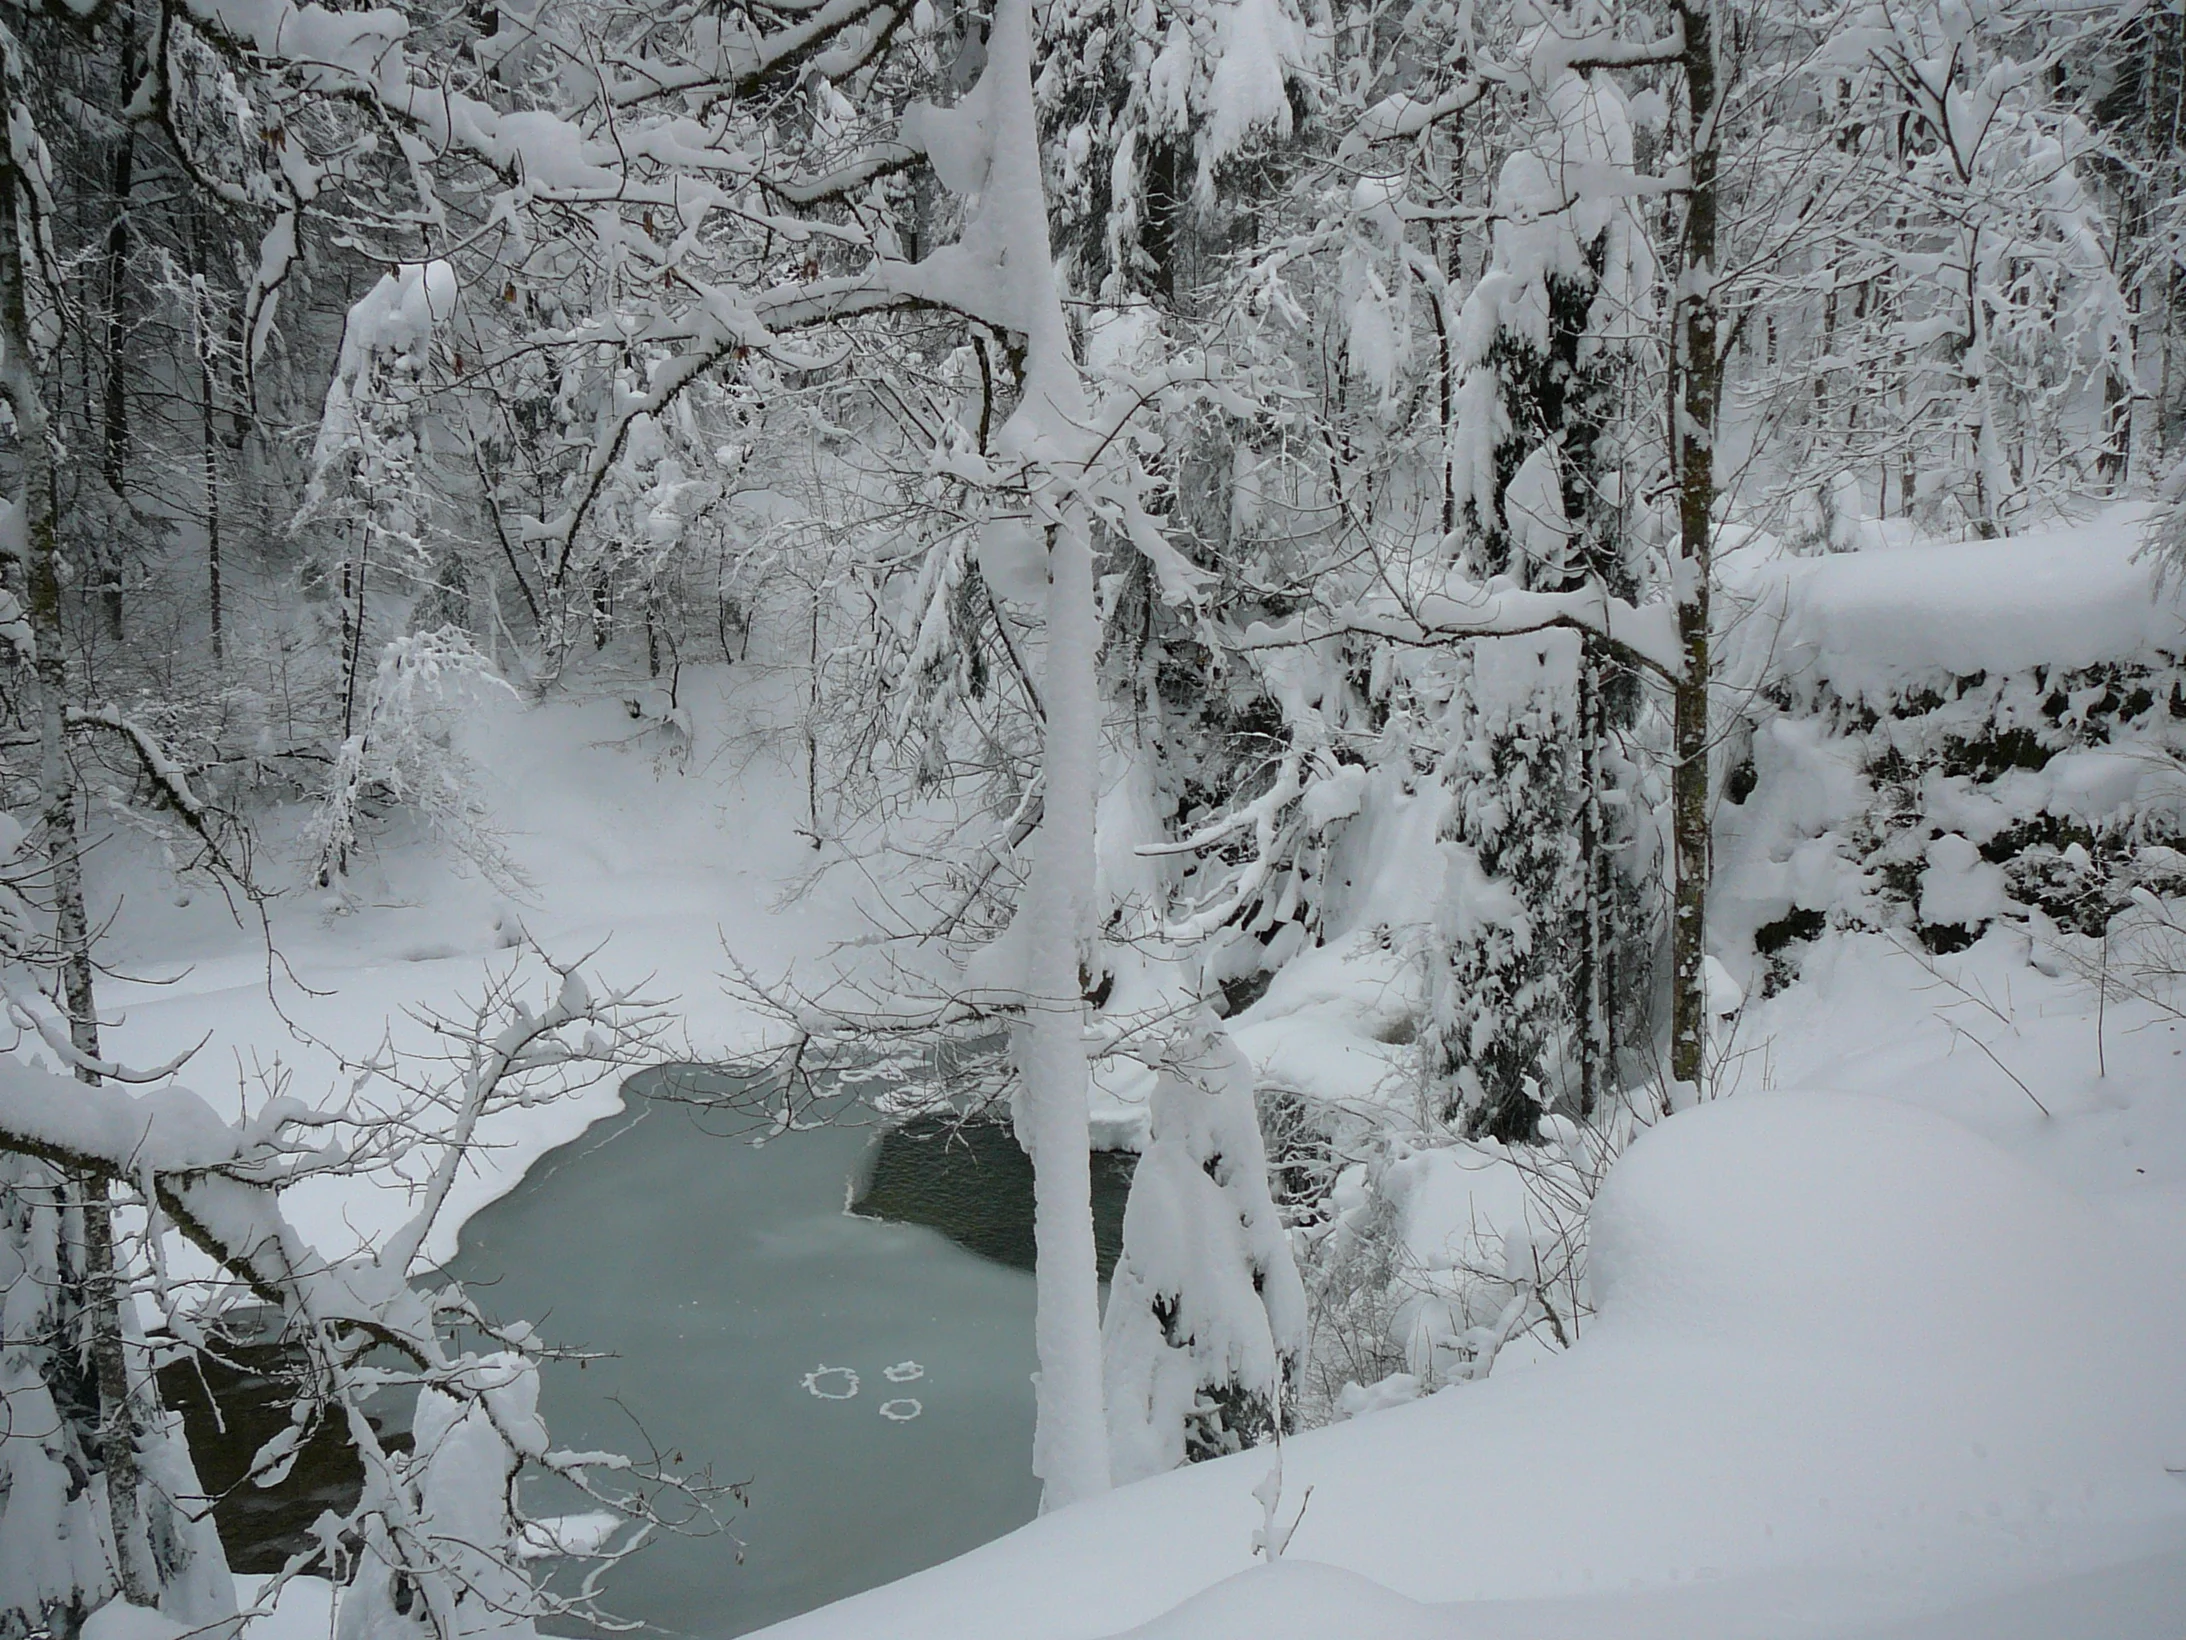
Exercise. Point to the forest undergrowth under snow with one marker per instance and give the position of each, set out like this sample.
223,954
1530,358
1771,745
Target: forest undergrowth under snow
1536,647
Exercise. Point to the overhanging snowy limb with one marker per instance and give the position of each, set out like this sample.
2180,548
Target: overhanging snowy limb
1646,634
218,1181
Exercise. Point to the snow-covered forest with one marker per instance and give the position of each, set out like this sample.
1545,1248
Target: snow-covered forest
1526,656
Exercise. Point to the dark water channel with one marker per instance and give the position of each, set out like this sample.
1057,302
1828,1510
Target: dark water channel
970,1181
235,1398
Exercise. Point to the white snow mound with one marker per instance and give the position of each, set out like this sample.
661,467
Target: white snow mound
1869,622
1296,1600
1853,1365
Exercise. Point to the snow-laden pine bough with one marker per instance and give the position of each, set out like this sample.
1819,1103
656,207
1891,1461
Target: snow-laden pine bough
1206,1323
437,1542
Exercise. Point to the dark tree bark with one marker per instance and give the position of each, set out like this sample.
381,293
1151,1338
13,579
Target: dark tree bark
42,583
1696,396
114,455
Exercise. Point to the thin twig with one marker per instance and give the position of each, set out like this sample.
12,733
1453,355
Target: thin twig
1998,1063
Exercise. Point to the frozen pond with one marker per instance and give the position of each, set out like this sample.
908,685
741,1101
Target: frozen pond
721,1276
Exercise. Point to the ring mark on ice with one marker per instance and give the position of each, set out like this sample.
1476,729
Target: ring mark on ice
903,1372
901,1410
845,1388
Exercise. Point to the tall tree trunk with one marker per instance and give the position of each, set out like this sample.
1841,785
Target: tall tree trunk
114,462
812,720
208,445
2159,428
212,518
102,1295
1591,984
1070,1442
2114,460
1989,490
354,573
1695,399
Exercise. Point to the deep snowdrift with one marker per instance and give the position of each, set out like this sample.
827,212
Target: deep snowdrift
1852,1363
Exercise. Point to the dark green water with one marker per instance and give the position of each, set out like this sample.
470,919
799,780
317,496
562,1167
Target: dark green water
720,1275
235,1398
973,1183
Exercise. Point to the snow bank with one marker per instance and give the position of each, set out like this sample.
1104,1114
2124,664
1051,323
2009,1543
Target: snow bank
1852,1363
1336,1023
1296,1600
1938,736
1875,1012
1867,622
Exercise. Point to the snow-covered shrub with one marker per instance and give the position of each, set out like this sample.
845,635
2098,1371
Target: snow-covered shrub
54,1552
1350,1264
1206,1316
1501,1004
1496,1239
403,754
1440,1252
58,1552
1899,782
1959,801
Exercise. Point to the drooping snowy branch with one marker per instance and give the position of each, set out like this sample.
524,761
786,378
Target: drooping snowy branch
1644,632
438,1520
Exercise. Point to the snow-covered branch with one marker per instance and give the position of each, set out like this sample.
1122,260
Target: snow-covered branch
1645,633
439,1521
